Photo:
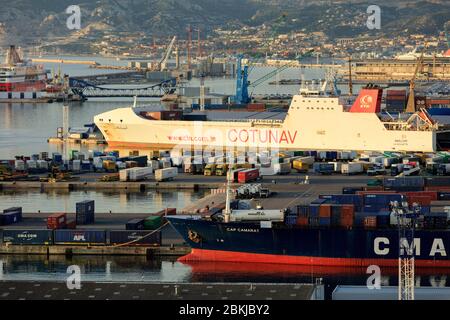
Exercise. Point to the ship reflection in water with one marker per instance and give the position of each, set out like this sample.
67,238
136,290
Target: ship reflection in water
132,269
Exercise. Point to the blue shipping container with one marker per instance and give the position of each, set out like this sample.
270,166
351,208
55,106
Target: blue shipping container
10,218
381,199
80,236
314,210
28,236
291,220
324,221
146,237
87,206
15,209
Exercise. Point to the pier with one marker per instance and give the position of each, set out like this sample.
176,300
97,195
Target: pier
52,290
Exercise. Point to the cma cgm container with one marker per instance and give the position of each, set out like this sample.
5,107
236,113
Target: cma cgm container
28,236
80,236
248,175
149,238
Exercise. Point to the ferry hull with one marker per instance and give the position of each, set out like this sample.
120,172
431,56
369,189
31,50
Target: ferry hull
248,242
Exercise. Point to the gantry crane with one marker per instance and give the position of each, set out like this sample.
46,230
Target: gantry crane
242,84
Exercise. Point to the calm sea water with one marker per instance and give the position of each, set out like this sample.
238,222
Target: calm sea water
114,201
137,269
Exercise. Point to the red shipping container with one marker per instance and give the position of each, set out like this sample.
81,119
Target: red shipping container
375,192
302,221
438,189
56,221
248,175
347,211
423,201
431,194
347,222
171,211
325,211
256,107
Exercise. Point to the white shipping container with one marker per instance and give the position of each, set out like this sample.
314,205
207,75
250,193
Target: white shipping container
257,215
42,164
31,164
165,174
76,165
177,161
352,168
19,165
282,168
337,166
137,174
124,175
121,165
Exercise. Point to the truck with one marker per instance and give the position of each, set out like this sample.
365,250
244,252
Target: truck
233,174
210,169
282,168
221,170
165,174
352,168
323,168
248,175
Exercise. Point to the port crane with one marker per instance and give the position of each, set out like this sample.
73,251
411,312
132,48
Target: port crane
243,84
162,64
411,105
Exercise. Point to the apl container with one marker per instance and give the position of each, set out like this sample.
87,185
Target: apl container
80,236
28,237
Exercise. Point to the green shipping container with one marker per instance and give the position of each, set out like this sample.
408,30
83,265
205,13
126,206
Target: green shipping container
152,223
298,153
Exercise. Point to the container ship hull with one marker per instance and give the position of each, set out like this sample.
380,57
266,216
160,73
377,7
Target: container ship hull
311,123
357,247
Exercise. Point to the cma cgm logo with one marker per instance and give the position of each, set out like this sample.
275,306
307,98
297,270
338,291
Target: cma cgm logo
381,247
366,101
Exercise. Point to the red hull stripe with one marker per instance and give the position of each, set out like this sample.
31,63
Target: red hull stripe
233,256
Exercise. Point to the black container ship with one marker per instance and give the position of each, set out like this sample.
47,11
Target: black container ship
347,230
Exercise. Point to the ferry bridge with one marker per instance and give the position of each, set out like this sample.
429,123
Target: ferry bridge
89,90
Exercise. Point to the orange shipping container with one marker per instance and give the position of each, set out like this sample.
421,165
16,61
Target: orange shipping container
325,211
302,221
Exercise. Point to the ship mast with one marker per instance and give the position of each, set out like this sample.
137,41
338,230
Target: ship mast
227,212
